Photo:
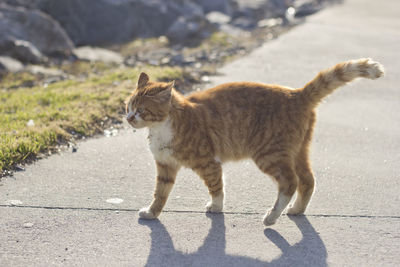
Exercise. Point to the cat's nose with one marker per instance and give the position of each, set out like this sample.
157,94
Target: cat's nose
130,116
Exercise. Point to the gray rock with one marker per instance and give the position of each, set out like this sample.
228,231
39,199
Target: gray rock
182,29
231,30
40,70
265,23
99,22
306,7
224,6
9,64
261,9
29,4
191,10
218,18
156,56
22,50
177,59
246,23
97,54
39,29
189,31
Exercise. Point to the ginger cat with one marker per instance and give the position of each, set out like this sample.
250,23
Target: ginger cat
270,124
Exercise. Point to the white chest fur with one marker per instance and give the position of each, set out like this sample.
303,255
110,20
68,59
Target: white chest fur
160,137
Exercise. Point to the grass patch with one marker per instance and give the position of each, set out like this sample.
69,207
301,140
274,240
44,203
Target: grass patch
218,39
14,80
85,68
141,45
34,120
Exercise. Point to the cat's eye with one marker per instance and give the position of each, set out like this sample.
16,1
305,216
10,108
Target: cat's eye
139,110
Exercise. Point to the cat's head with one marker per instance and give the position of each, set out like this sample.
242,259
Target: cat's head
149,103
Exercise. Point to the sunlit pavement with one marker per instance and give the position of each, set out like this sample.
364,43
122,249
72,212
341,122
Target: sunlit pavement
81,208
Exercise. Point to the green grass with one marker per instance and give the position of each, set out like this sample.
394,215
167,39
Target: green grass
64,109
15,80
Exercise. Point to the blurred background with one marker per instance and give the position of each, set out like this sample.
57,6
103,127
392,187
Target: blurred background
66,66
50,32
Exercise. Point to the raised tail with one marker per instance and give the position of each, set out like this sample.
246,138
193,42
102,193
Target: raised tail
328,80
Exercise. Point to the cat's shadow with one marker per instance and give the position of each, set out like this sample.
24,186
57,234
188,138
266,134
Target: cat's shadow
310,250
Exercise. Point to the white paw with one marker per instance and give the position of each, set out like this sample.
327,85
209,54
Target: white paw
294,211
145,213
270,218
212,207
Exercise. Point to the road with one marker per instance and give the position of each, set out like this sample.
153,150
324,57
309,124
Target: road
81,208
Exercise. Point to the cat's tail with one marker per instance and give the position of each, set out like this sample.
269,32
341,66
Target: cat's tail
328,80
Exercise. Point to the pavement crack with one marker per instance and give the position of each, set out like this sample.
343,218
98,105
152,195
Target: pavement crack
196,212
65,208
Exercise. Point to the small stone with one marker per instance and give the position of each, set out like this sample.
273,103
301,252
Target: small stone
115,200
165,60
28,225
54,75
290,13
19,168
205,79
107,133
14,202
163,39
98,54
270,36
30,123
217,17
10,64
269,22
110,132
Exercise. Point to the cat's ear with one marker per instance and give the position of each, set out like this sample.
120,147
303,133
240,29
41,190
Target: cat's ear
143,80
165,95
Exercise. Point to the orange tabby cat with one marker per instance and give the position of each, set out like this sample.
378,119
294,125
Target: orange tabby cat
270,124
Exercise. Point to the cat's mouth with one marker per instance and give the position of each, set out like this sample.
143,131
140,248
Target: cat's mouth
130,118
135,124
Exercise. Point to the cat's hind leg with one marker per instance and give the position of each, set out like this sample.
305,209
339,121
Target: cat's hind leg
306,184
282,170
211,173
166,175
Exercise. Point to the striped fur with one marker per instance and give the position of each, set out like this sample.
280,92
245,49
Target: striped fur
270,124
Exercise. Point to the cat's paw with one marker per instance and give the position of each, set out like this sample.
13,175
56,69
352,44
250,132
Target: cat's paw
295,210
213,207
146,214
270,218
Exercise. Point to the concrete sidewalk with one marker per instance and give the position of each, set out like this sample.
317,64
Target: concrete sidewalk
67,209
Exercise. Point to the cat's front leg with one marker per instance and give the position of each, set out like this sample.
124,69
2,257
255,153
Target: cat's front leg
166,175
217,203
211,173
